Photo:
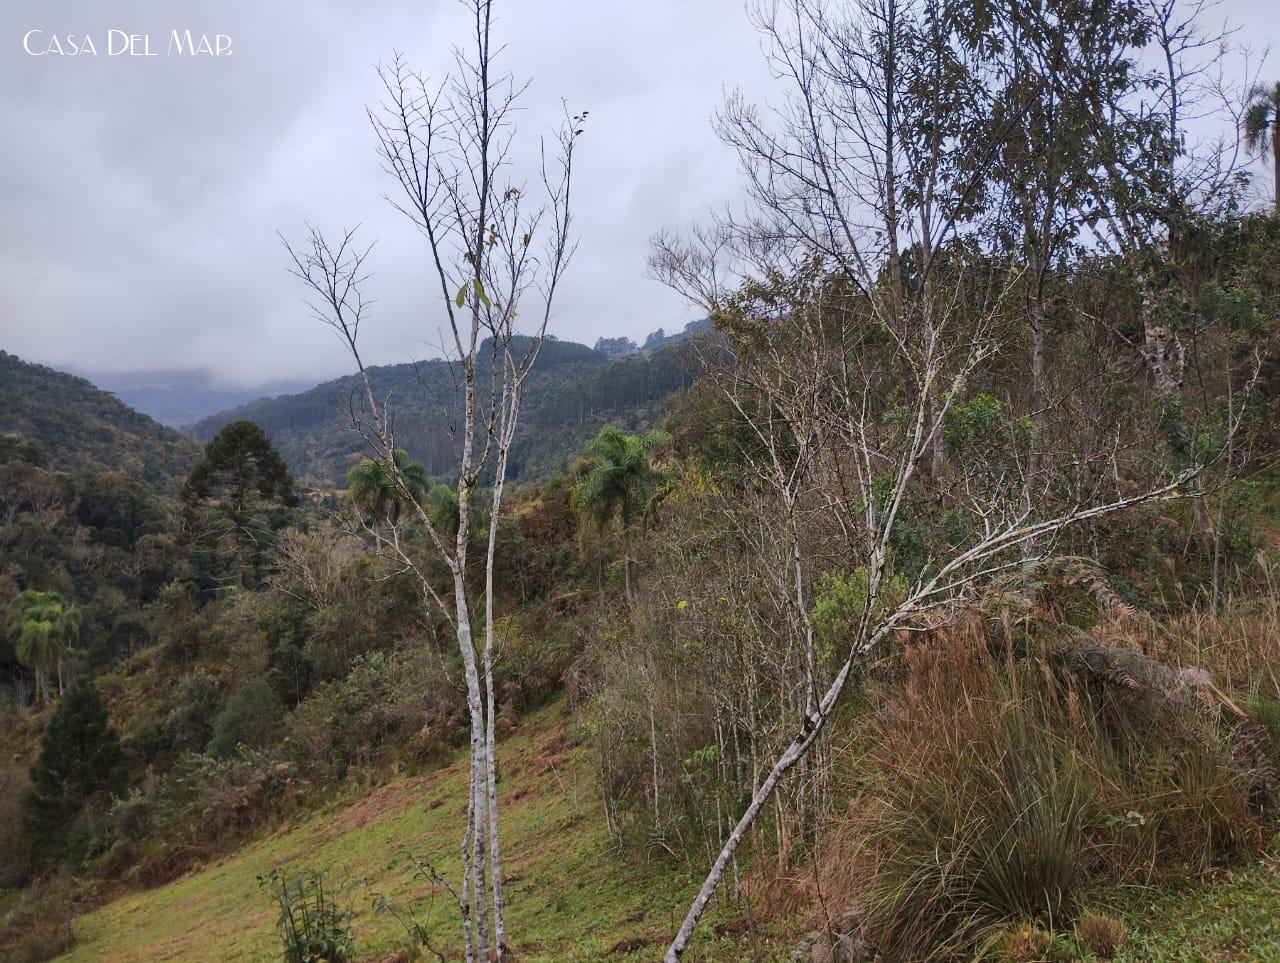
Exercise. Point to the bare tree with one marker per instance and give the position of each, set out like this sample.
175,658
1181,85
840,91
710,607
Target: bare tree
495,246
859,255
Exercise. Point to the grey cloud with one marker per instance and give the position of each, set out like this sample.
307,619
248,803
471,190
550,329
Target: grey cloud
141,196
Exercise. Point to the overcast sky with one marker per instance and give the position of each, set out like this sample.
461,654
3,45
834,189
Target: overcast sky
140,196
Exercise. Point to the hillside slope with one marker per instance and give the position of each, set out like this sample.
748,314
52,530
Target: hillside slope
574,392
570,894
81,426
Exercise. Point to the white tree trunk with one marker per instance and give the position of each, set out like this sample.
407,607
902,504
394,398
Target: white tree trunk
1165,354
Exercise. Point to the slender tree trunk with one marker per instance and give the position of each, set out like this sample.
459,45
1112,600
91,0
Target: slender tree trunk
784,762
1164,352
653,749
511,409
1275,154
479,795
626,561
1040,394
468,897
467,650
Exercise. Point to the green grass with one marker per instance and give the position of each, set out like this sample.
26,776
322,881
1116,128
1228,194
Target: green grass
1235,918
572,895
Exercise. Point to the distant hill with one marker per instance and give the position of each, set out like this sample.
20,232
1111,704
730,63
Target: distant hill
656,341
81,425
573,393
181,396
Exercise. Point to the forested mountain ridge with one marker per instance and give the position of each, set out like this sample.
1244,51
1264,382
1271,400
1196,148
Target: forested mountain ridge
81,426
574,392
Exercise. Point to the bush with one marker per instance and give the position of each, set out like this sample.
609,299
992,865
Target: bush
251,719
47,942
1030,944
37,926
206,799
1000,792
14,864
314,924
189,727
343,724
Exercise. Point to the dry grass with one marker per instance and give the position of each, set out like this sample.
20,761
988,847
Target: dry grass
1026,943
993,791
1101,935
1239,645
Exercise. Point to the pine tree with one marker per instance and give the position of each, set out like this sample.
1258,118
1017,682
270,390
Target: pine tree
80,762
233,496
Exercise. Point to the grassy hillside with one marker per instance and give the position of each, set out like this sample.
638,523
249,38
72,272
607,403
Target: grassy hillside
571,894
81,426
575,392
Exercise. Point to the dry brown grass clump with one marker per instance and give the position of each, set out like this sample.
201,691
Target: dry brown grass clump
1101,935
997,787
1025,943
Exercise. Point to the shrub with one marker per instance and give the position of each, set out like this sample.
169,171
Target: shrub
345,723
189,726
133,815
314,922
999,791
252,719
531,664
37,924
14,868
206,799
45,942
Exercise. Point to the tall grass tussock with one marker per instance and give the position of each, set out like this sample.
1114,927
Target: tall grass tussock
1005,784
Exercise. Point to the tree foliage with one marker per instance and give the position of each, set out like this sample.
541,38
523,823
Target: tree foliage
375,491
617,477
42,629
237,464
80,762
232,498
251,719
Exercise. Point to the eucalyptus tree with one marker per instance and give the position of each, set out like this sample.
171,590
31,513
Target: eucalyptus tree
497,247
1261,129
